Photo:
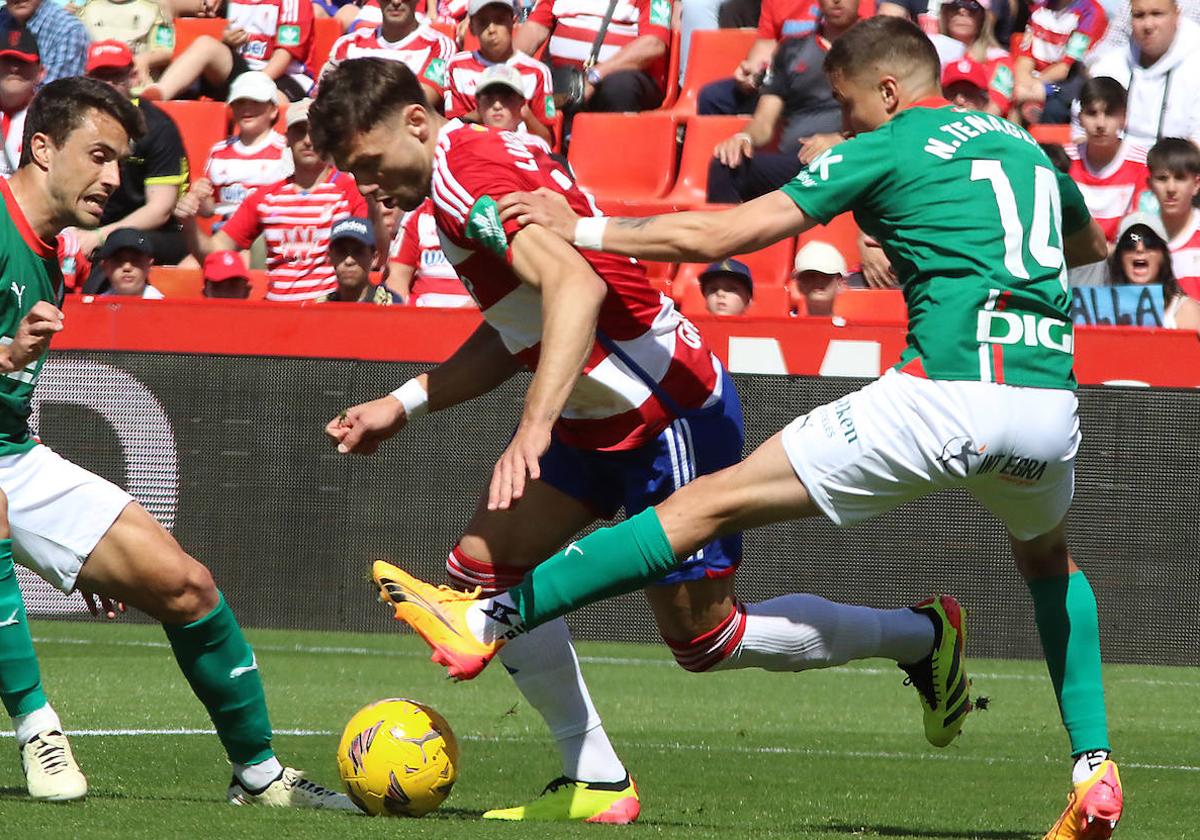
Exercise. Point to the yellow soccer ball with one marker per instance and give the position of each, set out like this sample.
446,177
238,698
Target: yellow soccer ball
398,757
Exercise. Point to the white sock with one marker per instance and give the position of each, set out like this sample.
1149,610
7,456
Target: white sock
492,618
256,777
800,632
40,720
544,666
1086,764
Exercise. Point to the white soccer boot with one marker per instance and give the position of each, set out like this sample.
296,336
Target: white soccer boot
290,790
50,769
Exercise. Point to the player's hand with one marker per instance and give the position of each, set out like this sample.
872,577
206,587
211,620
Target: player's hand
543,207
733,150
234,37
98,604
876,267
813,147
33,336
360,430
519,461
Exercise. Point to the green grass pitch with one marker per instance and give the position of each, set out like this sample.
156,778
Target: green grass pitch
833,754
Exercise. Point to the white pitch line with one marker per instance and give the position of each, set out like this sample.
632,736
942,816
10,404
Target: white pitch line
672,747
595,660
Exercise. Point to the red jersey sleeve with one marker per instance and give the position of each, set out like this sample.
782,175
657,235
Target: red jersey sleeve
295,30
543,13
458,102
245,225
409,252
1088,32
655,20
542,102
768,24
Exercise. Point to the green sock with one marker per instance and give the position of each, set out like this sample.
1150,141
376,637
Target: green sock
1065,609
223,672
20,679
605,563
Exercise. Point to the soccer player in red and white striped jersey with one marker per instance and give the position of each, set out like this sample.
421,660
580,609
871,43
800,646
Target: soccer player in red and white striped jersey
400,37
419,266
492,23
1175,179
293,215
1110,172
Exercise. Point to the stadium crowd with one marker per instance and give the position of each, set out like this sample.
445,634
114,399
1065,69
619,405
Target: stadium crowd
224,196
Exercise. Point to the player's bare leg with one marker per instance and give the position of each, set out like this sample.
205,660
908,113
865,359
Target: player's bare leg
1065,609
139,563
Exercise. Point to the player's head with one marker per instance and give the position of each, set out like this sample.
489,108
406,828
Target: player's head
371,117
878,67
1102,103
351,251
492,23
1174,165
76,132
252,101
125,260
1141,255
500,97
1154,24
21,69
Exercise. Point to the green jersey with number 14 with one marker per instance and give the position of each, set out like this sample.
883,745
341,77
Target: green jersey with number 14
972,215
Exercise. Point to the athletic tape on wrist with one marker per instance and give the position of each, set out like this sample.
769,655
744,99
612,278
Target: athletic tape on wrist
589,233
414,398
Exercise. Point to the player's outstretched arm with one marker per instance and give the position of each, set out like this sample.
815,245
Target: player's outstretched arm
1086,246
571,294
692,236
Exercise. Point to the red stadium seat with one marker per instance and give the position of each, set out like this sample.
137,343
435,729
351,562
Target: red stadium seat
175,282
672,91
770,302
870,305
188,29
1060,134
201,124
448,29
325,32
624,156
714,55
699,139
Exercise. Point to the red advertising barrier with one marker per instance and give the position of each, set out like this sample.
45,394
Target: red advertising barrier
808,346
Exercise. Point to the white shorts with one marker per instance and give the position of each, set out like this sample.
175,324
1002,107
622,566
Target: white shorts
57,512
903,437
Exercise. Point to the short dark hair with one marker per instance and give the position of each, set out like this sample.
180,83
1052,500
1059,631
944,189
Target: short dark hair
1105,90
60,107
1175,155
355,97
1058,156
887,42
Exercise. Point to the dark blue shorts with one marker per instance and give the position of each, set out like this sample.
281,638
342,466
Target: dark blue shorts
700,442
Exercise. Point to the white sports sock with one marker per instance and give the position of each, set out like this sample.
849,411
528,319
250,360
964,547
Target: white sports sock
544,666
1086,764
799,632
256,777
26,726
491,618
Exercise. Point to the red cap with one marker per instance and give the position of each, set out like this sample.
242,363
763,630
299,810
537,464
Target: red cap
21,45
104,54
220,266
966,70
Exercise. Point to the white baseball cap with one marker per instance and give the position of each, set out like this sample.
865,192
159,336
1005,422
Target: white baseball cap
254,85
475,5
502,75
297,112
820,256
1148,220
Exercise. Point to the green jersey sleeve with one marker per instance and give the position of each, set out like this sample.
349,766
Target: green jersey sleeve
1075,215
844,177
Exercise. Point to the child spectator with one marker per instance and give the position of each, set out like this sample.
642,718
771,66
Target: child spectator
352,251
727,287
1048,70
145,26
1175,180
125,260
492,23
501,103
1110,171
20,73
418,269
225,276
254,157
274,36
294,216
817,275
1141,256
401,37
965,83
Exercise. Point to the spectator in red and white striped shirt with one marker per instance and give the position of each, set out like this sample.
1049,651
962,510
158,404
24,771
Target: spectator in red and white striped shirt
294,216
400,37
630,71
418,269
1047,69
1175,179
492,23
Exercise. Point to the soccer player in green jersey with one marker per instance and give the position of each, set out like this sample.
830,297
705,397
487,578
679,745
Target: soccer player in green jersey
980,228
75,529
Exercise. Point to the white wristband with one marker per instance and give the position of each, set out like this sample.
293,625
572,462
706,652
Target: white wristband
589,233
413,397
